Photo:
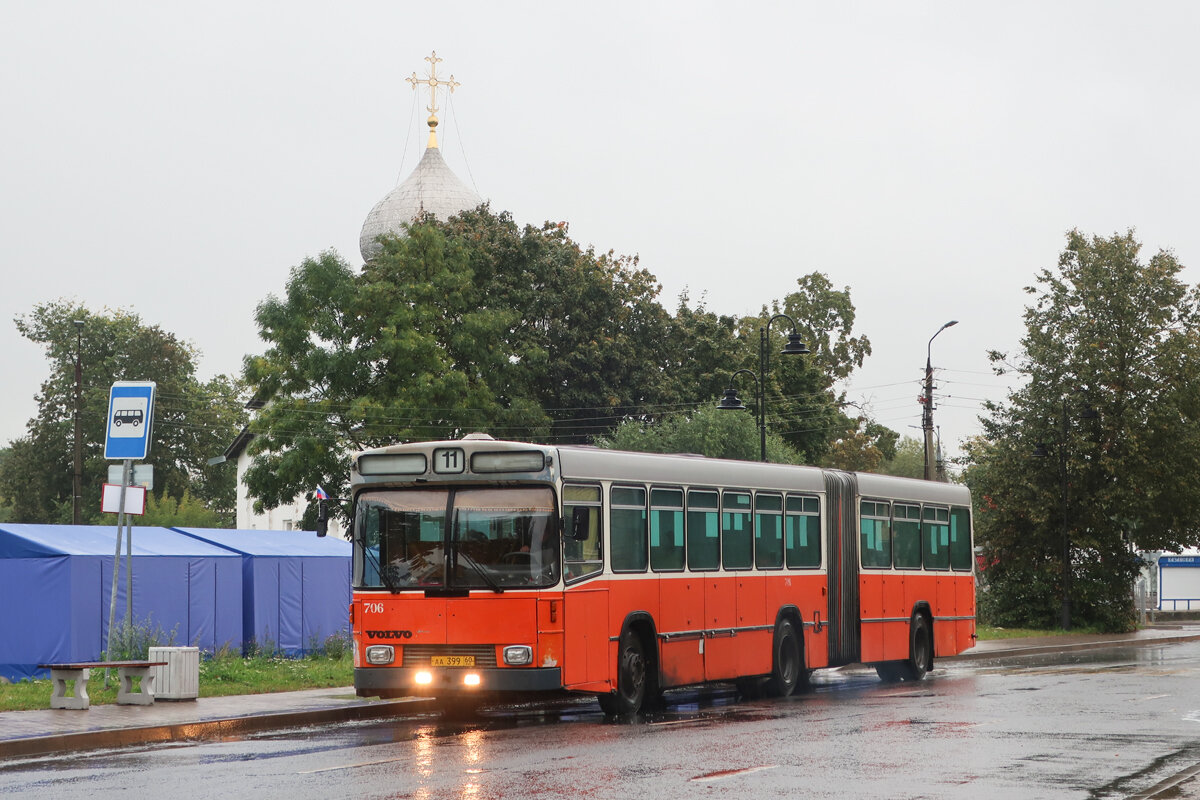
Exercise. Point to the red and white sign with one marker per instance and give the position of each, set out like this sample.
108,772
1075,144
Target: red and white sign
135,499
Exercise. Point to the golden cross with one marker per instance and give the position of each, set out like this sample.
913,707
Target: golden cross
433,82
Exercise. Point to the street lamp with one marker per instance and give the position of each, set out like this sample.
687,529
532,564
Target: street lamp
76,517
1041,451
794,347
927,414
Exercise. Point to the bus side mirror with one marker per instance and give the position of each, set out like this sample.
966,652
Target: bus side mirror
322,518
581,519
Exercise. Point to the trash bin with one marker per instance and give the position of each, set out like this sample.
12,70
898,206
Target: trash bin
180,678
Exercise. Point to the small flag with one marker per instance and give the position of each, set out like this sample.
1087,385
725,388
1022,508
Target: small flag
321,494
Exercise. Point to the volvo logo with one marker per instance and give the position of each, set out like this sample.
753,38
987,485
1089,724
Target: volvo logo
389,634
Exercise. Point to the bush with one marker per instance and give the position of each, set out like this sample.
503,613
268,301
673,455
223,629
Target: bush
133,642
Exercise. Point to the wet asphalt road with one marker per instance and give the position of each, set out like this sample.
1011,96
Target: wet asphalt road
1116,723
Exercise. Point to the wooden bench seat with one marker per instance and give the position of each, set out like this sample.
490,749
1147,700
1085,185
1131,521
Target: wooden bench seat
78,673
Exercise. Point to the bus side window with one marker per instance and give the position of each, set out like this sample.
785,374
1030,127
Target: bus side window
768,531
703,531
935,538
803,528
875,534
906,535
737,531
666,530
583,556
627,529
960,538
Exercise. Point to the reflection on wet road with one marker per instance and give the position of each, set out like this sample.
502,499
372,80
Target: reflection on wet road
1097,724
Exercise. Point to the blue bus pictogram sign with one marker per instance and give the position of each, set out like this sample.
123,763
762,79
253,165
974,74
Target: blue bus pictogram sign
130,420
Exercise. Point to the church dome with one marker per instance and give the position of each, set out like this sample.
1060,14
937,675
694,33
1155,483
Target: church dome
431,188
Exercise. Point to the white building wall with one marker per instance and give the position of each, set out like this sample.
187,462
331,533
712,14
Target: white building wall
284,518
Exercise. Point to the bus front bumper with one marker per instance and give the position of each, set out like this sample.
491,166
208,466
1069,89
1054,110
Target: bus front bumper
394,681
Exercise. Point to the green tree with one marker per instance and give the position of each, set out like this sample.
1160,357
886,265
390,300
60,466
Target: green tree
802,403
194,420
471,325
164,511
707,431
907,459
1110,364
864,448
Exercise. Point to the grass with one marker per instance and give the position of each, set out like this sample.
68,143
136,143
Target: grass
986,632
220,676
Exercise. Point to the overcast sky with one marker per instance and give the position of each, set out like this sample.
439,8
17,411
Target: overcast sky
179,159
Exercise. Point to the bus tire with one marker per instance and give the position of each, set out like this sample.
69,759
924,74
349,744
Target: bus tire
890,671
631,674
920,649
608,703
786,663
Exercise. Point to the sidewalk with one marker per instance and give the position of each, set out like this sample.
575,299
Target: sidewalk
30,733
27,733
1004,648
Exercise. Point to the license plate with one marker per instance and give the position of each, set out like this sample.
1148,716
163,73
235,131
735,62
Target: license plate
452,661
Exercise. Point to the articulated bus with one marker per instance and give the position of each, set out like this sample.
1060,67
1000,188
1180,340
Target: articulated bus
484,567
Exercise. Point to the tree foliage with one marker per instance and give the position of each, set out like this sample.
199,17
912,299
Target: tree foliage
708,431
476,324
193,421
1110,364
471,325
907,459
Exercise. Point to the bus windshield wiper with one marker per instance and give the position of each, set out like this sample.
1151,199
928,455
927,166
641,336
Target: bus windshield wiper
480,571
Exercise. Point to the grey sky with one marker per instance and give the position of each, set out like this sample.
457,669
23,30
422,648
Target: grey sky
178,160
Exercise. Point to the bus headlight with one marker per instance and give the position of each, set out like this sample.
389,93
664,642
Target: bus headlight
380,654
518,655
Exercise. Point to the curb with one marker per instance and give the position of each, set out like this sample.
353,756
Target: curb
198,731
240,725
1061,647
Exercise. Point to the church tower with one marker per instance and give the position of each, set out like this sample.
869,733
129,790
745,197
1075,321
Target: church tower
431,188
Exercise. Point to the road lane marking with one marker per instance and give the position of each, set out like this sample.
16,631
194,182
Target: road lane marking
731,773
352,766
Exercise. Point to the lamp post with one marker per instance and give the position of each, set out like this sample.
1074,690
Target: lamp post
78,483
1041,451
794,347
927,414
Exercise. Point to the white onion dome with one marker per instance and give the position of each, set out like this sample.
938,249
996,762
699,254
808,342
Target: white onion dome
431,188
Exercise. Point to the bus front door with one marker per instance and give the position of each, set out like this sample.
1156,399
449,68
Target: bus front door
586,662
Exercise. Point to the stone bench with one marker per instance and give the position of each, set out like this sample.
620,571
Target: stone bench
79,672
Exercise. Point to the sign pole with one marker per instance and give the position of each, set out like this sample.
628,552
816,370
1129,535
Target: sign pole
128,583
116,570
129,424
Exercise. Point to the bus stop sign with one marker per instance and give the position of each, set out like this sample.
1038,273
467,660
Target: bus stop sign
130,420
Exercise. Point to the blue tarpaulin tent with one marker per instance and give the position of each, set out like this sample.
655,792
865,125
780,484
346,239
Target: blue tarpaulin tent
295,589
55,584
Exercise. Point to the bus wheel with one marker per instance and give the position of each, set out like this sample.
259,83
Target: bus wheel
631,674
890,671
785,664
920,650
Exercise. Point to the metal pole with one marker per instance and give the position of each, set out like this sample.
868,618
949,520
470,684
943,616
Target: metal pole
128,580
112,602
927,414
762,391
76,517
1066,538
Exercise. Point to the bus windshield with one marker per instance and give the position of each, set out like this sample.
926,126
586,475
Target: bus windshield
456,538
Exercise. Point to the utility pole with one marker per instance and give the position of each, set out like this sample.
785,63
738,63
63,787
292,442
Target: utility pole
927,400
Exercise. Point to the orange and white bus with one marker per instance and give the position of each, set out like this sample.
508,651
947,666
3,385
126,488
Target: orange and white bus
484,566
